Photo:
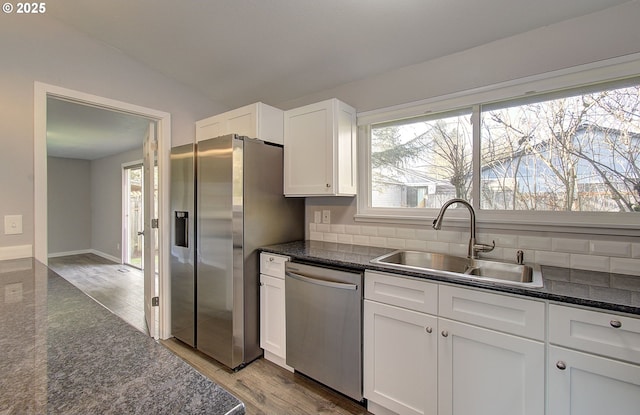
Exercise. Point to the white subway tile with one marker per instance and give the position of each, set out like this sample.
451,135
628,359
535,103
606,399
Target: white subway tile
406,233
577,246
315,236
330,237
505,241
396,243
458,249
378,241
386,232
625,266
590,262
337,228
416,245
344,238
312,227
556,259
352,229
441,247
611,248
361,240
534,242
635,250
451,236
323,227
426,235
369,230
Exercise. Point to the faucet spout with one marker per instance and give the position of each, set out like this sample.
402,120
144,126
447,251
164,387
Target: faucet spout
474,247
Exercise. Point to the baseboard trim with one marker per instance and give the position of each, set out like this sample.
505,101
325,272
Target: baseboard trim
16,252
67,253
87,251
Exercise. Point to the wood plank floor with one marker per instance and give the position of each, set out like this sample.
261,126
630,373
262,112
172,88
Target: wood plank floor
264,387
119,288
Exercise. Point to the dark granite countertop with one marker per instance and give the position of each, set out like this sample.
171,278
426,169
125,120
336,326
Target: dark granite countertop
63,353
615,292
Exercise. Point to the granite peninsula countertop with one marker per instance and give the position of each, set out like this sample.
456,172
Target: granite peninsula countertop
63,353
614,292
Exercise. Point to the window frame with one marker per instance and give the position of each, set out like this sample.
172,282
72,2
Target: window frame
584,77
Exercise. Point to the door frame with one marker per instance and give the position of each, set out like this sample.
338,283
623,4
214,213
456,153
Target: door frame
41,92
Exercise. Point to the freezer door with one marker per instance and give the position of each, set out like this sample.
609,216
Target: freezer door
183,244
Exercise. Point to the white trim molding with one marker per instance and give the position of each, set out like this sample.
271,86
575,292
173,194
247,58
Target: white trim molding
16,252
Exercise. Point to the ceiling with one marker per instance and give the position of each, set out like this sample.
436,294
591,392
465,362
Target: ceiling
238,52
83,132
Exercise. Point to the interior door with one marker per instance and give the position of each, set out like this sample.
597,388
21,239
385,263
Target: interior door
150,233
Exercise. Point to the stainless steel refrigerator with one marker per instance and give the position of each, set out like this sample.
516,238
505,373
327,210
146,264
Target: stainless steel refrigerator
226,201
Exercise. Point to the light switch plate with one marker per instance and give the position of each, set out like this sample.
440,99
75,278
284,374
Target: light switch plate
12,224
317,216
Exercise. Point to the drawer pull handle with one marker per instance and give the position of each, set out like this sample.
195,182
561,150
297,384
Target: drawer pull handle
561,365
445,333
615,324
429,330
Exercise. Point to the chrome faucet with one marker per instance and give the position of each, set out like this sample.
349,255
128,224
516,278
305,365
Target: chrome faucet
474,247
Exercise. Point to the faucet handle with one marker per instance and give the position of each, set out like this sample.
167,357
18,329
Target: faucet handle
479,247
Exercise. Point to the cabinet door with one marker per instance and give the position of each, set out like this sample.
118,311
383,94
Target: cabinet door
210,127
308,148
485,372
585,384
272,316
400,358
242,121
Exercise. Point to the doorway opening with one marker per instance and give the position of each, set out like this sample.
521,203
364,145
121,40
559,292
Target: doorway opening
157,146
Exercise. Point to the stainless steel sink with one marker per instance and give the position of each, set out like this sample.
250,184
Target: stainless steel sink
450,265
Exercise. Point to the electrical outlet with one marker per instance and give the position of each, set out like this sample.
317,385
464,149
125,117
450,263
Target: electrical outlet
12,224
326,216
317,216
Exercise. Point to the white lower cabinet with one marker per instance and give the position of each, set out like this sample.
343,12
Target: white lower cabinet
419,363
272,309
486,372
585,384
593,362
400,359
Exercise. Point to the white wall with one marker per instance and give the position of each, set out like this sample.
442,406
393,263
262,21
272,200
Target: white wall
69,206
38,48
598,36
106,202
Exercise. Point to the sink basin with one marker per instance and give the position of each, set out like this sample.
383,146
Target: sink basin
424,260
450,265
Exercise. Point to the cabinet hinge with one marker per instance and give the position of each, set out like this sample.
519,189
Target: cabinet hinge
155,301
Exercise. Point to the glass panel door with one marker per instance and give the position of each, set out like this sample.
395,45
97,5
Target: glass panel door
134,216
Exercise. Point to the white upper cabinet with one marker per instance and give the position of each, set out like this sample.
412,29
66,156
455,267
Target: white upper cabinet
320,150
256,121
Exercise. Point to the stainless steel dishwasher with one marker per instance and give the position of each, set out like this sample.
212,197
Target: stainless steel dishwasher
324,326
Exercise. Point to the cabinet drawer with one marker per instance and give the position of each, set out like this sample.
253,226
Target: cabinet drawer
272,264
504,313
597,332
403,292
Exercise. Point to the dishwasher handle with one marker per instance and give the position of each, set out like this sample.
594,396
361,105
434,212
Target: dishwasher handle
324,283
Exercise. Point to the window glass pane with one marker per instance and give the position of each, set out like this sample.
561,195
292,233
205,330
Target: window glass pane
421,163
578,153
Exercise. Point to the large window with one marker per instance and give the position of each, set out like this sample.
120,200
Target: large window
574,153
568,152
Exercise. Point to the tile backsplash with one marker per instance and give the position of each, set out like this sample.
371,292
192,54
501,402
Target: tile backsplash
595,255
